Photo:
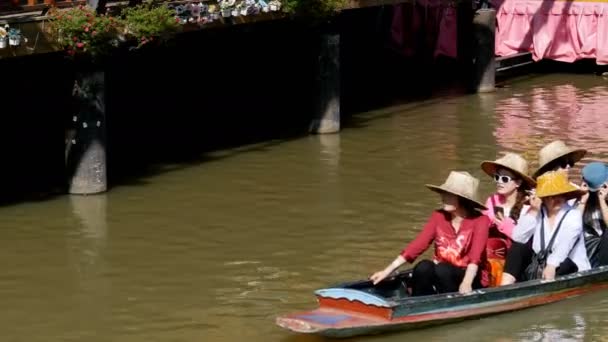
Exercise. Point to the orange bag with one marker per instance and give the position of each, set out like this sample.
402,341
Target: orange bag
496,268
496,250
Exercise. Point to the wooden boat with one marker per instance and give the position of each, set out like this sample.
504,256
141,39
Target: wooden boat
360,308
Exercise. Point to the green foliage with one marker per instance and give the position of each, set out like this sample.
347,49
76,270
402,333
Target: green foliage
79,30
313,8
148,22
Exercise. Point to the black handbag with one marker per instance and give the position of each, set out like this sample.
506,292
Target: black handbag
539,260
593,238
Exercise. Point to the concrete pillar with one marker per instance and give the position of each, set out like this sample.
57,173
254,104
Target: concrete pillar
484,26
86,141
327,115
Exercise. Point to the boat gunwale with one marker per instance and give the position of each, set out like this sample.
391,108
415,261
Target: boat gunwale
452,296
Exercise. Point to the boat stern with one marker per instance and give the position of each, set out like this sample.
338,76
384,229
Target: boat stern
326,322
340,311
314,321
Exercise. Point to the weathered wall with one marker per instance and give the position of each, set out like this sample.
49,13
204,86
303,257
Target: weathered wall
210,89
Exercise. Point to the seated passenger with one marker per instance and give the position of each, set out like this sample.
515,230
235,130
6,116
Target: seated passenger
551,225
595,212
459,232
510,173
557,156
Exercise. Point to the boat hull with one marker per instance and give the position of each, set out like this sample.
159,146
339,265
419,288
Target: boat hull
345,312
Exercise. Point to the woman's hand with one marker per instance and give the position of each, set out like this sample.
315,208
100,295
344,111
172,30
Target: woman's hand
549,272
465,287
602,193
379,276
498,218
535,202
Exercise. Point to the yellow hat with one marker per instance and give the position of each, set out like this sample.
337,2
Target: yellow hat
555,183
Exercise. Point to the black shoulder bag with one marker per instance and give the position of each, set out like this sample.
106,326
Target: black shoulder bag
539,260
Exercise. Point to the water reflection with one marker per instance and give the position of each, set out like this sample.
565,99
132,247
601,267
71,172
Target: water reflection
214,252
562,111
568,330
330,151
87,245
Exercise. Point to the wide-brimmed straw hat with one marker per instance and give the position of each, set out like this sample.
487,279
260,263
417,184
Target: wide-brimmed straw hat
555,150
512,162
461,184
555,183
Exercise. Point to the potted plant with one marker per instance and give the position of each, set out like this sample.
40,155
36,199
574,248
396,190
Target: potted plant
263,6
226,7
3,37
14,36
213,12
81,32
275,5
146,23
236,10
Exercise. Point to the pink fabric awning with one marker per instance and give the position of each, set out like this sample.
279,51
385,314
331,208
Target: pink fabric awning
565,31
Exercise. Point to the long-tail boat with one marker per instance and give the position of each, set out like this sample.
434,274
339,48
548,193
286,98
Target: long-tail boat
360,308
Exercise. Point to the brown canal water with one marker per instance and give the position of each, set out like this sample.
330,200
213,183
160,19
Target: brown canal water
214,252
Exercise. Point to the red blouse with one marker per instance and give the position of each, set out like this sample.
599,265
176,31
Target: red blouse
468,246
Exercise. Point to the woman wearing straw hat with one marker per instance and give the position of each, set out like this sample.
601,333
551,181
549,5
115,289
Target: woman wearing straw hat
460,234
556,230
510,172
557,156
595,212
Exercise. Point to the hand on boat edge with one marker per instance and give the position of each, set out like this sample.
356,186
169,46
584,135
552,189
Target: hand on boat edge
549,273
465,288
378,276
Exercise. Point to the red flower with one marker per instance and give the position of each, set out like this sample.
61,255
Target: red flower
75,38
86,29
80,45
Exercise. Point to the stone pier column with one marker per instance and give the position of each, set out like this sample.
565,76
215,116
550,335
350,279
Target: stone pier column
484,27
327,115
86,141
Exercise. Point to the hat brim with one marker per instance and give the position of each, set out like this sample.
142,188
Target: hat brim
568,194
439,189
576,156
490,167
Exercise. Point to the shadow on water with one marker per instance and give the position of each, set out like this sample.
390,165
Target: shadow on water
249,87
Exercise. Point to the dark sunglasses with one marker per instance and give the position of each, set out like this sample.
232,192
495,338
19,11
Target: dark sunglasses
502,179
562,163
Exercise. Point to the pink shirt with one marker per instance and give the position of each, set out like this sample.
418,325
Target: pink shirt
507,225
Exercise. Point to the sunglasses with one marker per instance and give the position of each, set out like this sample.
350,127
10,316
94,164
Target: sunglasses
502,179
561,163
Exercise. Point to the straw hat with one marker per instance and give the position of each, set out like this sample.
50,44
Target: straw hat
512,162
555,150
462,184
554,183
